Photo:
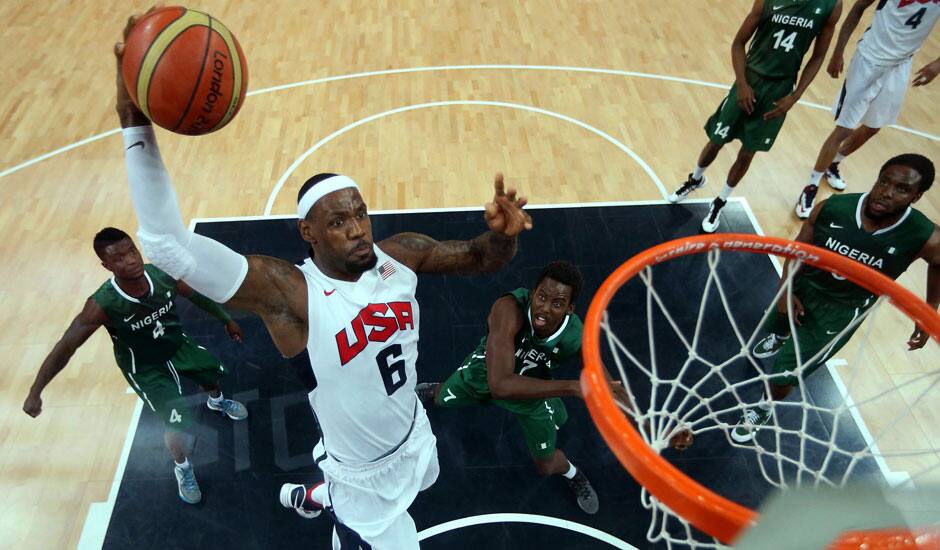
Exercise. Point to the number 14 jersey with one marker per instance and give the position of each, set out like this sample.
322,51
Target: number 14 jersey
786,30
363,345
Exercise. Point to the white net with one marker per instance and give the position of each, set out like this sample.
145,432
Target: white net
682,336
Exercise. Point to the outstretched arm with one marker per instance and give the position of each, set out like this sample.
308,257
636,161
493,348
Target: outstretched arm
270,287
782,105
837,61
84,324
485,253
505,321
931,254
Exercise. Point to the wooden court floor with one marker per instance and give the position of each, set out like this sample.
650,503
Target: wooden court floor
579,102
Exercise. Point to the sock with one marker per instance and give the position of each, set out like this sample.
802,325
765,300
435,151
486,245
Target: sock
765,405
216,400
839,158
814,178
726,192
698,172
318,494
183,465
572,471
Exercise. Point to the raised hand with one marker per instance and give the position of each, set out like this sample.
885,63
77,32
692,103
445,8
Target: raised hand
505,214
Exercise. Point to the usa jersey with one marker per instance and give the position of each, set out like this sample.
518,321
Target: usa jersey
363,345
898,30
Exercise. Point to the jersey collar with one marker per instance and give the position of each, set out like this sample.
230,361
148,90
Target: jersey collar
117,287
858,217
561,328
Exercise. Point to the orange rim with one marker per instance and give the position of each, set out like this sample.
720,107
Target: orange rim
706,510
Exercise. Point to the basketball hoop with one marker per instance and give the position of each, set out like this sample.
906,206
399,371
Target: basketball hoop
673,492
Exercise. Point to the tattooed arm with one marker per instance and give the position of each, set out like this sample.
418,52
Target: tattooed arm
483,254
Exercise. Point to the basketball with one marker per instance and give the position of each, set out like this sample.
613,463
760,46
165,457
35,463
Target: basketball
185,70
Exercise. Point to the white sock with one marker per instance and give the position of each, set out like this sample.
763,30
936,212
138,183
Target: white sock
815,177
765,405
184,465
319,495
726,192
216,400
698,172
839,158
571,471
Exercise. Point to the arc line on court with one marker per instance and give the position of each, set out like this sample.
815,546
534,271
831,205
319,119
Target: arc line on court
557,68
290,170
525,518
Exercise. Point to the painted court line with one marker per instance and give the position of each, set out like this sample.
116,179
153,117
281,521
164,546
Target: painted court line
613,72
280,182
525,518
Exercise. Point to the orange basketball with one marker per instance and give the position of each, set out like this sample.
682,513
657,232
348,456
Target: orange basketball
185,70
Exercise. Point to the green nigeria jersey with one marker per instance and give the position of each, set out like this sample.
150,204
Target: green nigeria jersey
536,356
786,30
144,330
889,250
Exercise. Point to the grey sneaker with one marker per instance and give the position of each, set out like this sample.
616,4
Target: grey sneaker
587,497
230,408
769,346
425,393
750,423
683,191
186,482
296,497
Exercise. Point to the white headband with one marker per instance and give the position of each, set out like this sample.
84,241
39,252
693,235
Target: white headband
324,187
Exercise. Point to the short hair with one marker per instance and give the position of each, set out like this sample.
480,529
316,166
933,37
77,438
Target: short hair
311,182
919,163
106,237
565,273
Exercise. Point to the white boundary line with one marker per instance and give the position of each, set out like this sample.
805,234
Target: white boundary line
892,477
280,182
525,518
613,72
99,513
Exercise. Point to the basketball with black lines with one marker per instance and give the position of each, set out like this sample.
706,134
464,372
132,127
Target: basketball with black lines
185,70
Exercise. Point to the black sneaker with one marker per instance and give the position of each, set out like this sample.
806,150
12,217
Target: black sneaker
425,393
683,191
834,178
587,497
713,218
804,206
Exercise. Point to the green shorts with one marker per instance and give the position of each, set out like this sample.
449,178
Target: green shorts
822,321
540,419
756,134
159,385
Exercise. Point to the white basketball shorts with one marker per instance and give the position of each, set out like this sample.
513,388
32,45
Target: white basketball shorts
871,94
370,501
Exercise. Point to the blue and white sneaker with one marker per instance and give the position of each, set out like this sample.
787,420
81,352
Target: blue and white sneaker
187,485
230,408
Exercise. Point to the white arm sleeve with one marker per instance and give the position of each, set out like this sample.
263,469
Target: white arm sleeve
210,267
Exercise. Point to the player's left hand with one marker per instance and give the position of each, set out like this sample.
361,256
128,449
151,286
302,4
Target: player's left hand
505,214
234,331
682,440
927,73
781,106
918,339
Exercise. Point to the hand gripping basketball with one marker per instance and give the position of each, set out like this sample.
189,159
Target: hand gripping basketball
505,214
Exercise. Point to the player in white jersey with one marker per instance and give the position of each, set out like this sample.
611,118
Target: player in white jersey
351,306
875,82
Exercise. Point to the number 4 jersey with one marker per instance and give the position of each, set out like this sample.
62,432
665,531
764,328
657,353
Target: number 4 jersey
363,345
786,30
898,30
144,330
